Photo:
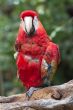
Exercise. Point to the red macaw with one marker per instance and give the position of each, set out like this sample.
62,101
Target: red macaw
37,57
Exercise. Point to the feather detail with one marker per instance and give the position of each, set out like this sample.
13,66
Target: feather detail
45,69
53,69
15,55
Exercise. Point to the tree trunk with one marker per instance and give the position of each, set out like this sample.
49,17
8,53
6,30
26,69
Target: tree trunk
50,98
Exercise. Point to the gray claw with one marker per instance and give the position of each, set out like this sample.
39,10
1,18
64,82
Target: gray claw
30,91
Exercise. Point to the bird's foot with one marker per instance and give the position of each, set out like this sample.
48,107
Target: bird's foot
30,91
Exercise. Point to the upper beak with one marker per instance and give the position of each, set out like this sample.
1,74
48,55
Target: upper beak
28,23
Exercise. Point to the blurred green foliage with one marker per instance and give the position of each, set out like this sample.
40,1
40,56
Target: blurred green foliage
57,18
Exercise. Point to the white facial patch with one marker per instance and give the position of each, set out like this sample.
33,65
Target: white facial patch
23,25
35,22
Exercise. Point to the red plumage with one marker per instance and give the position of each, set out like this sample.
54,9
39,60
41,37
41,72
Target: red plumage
31,53
28,13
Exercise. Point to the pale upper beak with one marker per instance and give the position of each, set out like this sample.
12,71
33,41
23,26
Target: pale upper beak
28,25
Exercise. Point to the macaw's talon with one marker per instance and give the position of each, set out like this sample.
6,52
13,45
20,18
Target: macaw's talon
30,91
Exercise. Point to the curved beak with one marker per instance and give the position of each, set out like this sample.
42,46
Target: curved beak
28,23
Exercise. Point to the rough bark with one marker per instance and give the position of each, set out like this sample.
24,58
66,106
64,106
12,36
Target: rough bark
50,98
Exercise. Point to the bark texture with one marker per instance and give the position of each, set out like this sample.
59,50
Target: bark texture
58,97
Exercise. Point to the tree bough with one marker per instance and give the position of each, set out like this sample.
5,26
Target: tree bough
58,97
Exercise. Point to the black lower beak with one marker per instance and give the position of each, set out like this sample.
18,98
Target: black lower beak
32,31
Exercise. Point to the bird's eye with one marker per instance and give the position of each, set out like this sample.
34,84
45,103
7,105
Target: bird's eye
35,22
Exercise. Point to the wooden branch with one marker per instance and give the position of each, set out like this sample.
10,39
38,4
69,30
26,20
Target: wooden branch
50,98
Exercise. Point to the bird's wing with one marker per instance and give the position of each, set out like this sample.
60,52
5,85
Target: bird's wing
50,61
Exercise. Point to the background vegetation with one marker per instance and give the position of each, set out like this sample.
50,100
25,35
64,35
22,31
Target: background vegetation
57,18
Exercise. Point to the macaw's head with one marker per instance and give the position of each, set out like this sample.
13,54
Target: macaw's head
29,21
